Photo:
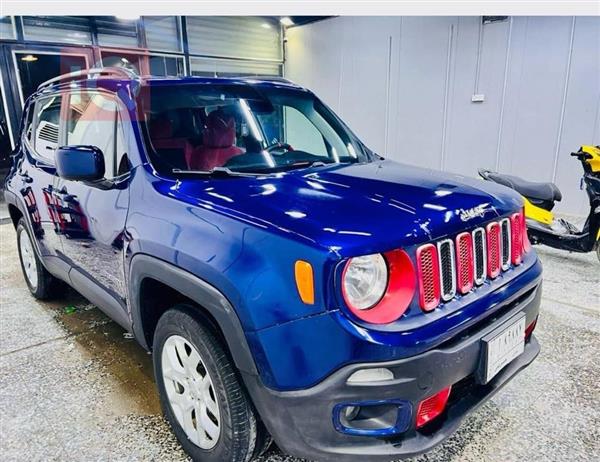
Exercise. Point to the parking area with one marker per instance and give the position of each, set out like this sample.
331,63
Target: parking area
74,386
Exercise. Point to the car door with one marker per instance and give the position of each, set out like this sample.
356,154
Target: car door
36,173
94,213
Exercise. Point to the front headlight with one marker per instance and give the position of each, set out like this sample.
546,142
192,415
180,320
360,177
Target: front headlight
378,288
365,281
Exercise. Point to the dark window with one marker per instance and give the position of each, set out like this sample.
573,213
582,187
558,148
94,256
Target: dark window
166,65
5,147
130,61
36,68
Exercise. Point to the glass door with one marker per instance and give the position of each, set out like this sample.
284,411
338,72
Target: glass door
6,141
34,67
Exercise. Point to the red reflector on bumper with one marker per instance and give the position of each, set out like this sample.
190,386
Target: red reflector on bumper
432,407
530,328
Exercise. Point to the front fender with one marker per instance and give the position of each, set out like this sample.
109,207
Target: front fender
204,294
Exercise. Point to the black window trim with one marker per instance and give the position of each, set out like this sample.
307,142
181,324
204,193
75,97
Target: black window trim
28,143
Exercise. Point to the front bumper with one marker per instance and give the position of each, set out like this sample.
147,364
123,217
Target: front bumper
301,422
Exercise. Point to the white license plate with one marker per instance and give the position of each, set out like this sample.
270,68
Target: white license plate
504,347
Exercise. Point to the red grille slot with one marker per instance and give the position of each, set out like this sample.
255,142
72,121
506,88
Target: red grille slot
428,274
493,249
464,262
516,229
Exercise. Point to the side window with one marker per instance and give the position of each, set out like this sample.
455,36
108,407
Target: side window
93,120
45,136
302,134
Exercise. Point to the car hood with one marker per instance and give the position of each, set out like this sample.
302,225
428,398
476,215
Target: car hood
356,208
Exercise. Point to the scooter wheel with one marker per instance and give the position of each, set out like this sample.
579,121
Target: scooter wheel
598,250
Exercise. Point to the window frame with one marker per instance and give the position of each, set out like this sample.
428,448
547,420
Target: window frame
34,123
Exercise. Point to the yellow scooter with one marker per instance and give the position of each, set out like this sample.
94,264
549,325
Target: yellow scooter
542,226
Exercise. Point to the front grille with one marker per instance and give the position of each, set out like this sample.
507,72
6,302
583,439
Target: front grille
516,237
464,262
493,250
505,249
447,269
428,275
479,255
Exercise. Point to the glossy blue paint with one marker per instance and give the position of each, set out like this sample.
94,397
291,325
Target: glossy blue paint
243,236
80,163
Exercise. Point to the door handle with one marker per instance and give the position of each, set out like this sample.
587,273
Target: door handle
64,194
25,176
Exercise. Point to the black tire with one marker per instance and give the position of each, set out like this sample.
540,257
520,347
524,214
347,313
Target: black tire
241,433
263,440
46,285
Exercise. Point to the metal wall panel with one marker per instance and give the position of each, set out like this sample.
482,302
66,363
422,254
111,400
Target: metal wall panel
366,52
534,96
405,85
316,58
473,133
581,121
419,104
250,37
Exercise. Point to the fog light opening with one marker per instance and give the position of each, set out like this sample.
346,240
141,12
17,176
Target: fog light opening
372,418
351,412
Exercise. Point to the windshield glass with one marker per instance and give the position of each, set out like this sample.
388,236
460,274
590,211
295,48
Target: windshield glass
241,128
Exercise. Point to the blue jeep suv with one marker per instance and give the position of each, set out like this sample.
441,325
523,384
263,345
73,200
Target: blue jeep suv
291,284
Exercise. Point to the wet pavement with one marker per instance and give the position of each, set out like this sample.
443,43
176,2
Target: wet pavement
74,387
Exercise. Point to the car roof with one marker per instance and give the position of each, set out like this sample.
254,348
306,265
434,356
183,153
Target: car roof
112,78
249,80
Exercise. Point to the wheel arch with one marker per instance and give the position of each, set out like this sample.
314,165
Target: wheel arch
152,279
15,214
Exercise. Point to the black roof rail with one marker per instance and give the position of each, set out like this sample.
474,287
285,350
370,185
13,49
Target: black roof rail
91,73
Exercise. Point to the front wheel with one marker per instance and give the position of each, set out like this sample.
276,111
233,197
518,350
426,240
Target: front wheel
40,282
200,393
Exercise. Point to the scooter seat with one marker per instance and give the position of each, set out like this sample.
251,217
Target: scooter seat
546,192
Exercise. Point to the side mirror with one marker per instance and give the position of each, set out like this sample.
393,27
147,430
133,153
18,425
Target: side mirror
80,163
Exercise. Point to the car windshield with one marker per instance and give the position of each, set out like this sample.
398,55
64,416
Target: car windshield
238,128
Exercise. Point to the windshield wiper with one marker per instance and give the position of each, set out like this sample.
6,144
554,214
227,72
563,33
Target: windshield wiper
306,164
216,171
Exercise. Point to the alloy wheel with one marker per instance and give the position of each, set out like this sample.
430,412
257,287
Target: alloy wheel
28,259
190,392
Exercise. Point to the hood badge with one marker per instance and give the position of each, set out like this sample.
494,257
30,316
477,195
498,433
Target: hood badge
474,212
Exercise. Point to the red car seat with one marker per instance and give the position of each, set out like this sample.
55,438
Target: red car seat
168,146
218,144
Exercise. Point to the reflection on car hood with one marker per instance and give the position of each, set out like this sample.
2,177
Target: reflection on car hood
356,208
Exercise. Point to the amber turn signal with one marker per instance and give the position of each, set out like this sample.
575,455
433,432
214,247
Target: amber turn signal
305,281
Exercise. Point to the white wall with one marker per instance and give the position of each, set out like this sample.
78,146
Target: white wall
404,84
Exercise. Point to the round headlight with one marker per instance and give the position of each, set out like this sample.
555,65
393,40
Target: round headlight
365,281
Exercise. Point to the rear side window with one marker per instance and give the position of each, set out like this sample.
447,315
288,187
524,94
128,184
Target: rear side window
46,132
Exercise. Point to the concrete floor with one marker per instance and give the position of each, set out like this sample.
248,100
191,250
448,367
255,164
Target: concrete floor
74,387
